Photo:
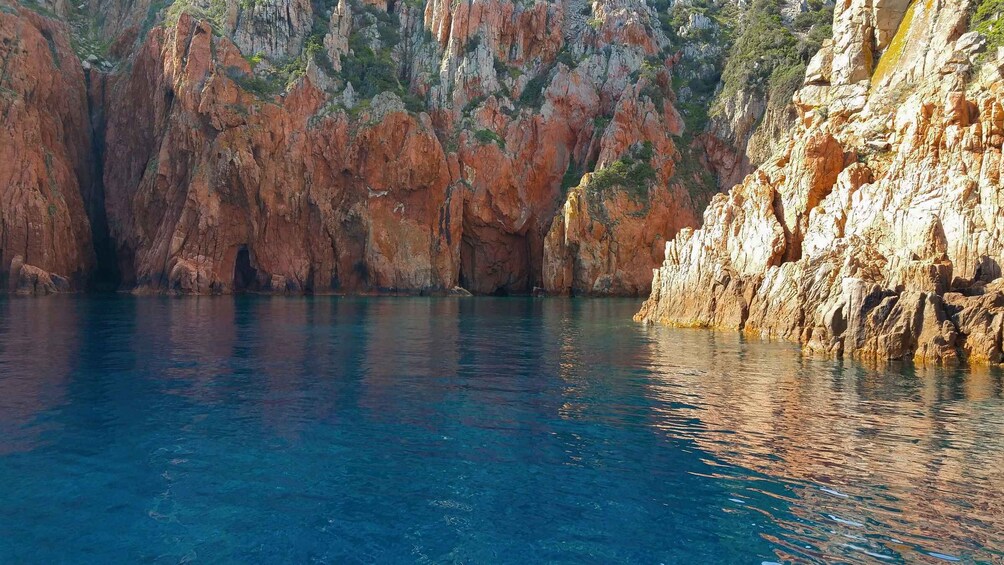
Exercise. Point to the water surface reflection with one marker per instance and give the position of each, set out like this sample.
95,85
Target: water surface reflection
345,430
892,463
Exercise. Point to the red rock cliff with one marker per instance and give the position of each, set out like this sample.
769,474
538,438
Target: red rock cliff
416,151
45,237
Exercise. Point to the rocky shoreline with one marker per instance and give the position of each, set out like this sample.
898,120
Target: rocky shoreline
876,233
356,147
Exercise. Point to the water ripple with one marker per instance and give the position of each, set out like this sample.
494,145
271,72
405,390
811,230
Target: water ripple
336,430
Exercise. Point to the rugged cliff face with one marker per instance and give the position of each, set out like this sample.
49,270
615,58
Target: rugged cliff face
876,231
298,146
44,157
213,146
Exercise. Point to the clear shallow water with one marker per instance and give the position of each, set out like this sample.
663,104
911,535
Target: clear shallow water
339,430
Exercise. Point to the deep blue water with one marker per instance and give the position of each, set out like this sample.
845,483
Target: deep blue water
383,430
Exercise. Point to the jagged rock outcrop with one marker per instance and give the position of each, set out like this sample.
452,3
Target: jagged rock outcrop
336,41
498,146
390,147
587,252
751,115
292,146
215,187
352,146
45,238
275,29
875,233
612,225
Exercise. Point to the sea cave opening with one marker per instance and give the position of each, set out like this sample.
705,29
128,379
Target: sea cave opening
494,263
245,275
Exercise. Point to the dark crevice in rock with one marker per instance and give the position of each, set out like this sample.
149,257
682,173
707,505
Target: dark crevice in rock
495,263
467,263
245,275
107,276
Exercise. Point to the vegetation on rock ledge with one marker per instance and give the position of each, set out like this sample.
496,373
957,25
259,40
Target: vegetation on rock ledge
988,20
633,173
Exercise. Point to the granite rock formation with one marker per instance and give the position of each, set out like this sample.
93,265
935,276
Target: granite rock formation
875,232
351,146
45,236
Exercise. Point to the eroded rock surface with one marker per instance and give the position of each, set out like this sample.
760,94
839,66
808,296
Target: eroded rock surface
44,157
380,145
350,146
452,178
876,232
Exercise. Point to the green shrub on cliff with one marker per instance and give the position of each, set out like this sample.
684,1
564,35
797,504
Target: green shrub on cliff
486,136
632,172
214,14
262,87
694,176
653,90
783,83
370,72
768,58
763,45
39,9
988,20
533,93
697,74
387,23
571,179
371,68
816,14
813,26
272,81
314,45
472,45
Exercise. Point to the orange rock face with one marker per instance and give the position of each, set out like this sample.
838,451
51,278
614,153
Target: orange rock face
354,146
395,148
218,188
874,234
45,157
605,237
215,189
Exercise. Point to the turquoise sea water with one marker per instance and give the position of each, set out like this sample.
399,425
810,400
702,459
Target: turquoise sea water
418,430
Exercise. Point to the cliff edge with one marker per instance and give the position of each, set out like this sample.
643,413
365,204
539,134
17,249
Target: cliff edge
875,232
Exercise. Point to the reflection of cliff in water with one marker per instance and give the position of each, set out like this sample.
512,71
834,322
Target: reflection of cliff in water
849,460
38,341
